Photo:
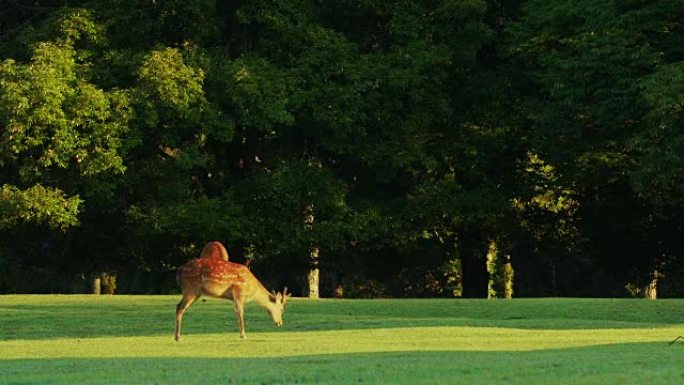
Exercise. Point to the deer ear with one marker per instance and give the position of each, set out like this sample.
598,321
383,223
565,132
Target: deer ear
286,295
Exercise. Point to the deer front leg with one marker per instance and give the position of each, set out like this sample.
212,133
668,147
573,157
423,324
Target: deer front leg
180,310
240,313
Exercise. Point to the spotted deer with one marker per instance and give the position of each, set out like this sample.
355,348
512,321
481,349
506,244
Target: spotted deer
215,277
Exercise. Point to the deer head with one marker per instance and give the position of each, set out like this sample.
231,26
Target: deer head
277,307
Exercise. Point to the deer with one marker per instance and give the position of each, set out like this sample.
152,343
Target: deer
217,278
214,250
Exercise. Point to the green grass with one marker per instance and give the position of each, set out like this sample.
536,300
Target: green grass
129,340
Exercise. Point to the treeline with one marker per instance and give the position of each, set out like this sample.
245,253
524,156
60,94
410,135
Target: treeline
355,147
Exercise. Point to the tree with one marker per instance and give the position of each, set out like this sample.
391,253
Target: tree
62,141
385,147
592,66
60,130
295,210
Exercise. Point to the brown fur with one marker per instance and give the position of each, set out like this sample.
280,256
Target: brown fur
214,250
215,277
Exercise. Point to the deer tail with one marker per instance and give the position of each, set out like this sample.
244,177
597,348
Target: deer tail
215,250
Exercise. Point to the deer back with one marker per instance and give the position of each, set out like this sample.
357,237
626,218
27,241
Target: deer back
216,277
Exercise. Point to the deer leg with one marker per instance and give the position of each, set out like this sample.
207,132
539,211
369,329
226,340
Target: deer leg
183,305
240,313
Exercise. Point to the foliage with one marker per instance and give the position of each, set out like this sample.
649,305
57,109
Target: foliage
658,170
37,204
280,201
601,111
59,129
395,138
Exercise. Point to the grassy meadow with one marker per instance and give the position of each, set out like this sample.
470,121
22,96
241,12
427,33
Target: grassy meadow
71,339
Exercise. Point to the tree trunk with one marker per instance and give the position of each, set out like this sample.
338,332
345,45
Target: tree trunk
103,283
492,260
96,285
500,273
651,290
314,274
108,283
453,270
508,278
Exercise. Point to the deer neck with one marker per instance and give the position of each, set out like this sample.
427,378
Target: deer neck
264,298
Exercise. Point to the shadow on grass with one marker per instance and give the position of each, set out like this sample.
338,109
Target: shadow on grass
652,363
24,317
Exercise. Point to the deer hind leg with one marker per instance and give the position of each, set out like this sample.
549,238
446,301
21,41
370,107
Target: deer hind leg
238,298
183,305
240,313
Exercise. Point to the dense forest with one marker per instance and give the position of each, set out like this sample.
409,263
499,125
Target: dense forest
364,148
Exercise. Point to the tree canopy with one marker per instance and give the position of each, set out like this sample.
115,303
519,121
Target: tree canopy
407,148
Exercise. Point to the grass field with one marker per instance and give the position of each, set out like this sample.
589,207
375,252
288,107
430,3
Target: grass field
129,340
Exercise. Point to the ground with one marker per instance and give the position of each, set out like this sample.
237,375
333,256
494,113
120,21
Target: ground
129,339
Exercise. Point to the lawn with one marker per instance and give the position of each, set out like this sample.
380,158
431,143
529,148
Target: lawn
129,340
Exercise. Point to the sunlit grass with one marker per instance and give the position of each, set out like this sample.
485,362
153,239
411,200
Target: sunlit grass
129,339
